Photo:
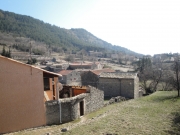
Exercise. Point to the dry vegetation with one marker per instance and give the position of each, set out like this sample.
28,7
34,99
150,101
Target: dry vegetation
158,113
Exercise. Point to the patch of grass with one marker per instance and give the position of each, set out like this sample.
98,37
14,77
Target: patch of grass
158,113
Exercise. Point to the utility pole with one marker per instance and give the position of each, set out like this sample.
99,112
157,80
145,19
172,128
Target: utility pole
30,50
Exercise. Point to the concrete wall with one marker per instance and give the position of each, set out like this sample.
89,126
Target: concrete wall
70,107
21,96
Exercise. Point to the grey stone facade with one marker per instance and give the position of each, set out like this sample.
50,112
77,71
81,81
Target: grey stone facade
89,78
71,78
58,67
95,100
92,77
68,109
119,84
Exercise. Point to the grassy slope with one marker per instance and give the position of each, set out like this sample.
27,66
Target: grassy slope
158,113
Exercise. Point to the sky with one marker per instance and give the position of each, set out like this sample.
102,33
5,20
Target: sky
144,26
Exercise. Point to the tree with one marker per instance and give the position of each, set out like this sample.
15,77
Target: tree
149,75
6,53
32,61
69,58
156,76
167,80
176,69
3,51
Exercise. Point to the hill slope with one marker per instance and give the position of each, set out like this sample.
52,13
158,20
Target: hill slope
157,114
51,35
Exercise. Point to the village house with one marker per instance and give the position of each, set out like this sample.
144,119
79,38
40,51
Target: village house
119,84
95,54
24,90
91,77
70,77
32,97
58,67
92,65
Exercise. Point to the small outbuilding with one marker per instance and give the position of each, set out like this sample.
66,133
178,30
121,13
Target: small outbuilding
119,84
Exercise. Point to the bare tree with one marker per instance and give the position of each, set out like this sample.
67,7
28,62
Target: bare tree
155,77
176,69
167,80
69,58
149,75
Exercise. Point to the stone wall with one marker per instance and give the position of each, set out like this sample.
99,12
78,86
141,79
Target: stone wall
95,101
64,110
125,87
89,78
52,112
137,93
73,77
68,109
110,86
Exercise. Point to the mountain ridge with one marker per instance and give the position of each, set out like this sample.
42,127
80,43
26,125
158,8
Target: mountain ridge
68,39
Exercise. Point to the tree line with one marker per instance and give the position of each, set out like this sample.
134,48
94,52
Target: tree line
152,74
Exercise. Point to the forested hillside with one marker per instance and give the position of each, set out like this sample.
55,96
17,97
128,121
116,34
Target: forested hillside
51,35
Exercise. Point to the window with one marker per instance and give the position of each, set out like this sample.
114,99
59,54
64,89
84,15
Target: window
46,84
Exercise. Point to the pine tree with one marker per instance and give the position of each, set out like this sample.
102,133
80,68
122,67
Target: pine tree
6,53
9,53
3,51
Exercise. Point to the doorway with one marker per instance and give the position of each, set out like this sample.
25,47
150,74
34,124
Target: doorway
81,107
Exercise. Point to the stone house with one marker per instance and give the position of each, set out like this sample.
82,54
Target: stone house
70,77
58,67
83,101
96,66
24,90
91,77
95,54
119,84
92,65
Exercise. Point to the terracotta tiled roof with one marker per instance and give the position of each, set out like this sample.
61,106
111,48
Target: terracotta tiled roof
98,72
65,72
